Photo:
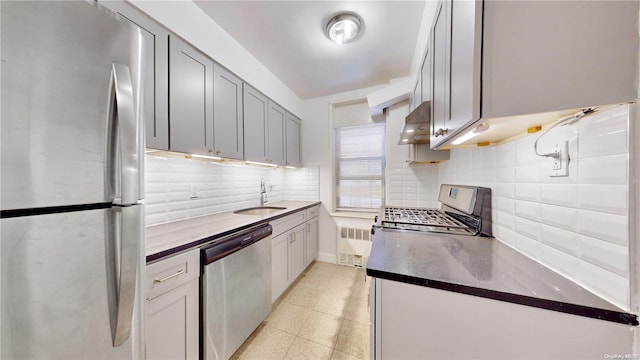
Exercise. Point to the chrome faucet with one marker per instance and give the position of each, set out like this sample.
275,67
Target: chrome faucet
263,193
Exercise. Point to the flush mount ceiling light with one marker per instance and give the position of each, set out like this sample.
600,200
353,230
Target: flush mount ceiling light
344,28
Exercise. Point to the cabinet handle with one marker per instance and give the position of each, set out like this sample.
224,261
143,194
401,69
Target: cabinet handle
180,272
441,132
308,227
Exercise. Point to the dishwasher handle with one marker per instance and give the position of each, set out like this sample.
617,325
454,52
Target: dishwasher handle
223,248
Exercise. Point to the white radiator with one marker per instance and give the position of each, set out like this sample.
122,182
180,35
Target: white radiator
354,246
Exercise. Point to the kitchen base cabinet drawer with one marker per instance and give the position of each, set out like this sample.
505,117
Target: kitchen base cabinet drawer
288,222
167,274
172,326
313,212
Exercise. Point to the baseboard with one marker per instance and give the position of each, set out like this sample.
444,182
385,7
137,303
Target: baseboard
327,257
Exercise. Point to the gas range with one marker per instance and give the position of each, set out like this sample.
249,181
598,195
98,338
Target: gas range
466,210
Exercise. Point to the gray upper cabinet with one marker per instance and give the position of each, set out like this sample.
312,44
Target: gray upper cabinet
228,128
415,97
425,75
190,99
527,58
156,81
439,90
293,141
275,132
255,106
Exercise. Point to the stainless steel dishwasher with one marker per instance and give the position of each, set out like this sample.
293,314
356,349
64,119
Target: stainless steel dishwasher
235,291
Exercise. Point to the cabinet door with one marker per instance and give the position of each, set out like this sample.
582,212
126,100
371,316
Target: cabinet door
293,141
172,323
439,91
311,241
190,99
415,96
155,78
228,130
275,143
255,124
464,73
425,74
296,250
279,265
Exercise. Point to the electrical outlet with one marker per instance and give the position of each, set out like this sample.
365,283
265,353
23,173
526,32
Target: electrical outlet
193,191
560,165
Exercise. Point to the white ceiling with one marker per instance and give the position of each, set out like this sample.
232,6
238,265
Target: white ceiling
288,38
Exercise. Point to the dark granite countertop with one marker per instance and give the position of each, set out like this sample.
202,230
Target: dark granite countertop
482,266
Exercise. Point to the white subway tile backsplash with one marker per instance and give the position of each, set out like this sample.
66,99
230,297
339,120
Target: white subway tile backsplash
610,140
577,225
506,174
505,205
605,255
559,194
506,190
559,216
607,284
560,261
611,199
527,191
505,219
506,157
603,226
603,170
528,209
528,228
528,246
169,181
563,240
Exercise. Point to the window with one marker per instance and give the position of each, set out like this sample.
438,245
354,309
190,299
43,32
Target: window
359,167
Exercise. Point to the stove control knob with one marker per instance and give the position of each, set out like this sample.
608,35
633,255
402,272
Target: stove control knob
375,219
373,230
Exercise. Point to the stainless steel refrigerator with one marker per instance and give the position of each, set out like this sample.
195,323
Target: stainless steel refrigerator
72,224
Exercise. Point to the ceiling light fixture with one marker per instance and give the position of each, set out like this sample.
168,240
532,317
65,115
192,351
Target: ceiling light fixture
344,28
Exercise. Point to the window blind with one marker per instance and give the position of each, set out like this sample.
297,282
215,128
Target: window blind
360,165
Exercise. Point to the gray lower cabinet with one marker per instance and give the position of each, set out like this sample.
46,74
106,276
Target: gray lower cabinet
311,240
190,99
293,141
296,250
287,252
255,106
172,307
155,56
275,132
228,128
279,265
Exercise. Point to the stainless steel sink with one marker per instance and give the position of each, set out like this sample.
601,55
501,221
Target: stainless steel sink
260,210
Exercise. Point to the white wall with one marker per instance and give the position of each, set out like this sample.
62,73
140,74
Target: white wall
317,151
192,24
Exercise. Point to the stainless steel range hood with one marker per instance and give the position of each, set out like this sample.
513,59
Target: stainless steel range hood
416,125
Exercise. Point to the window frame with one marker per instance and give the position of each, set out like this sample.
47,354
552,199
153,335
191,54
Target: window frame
336,169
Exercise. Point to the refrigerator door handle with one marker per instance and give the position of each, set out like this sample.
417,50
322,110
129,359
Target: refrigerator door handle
123,250
125,218
122,139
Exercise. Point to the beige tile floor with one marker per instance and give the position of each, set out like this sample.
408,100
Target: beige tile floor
323,315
